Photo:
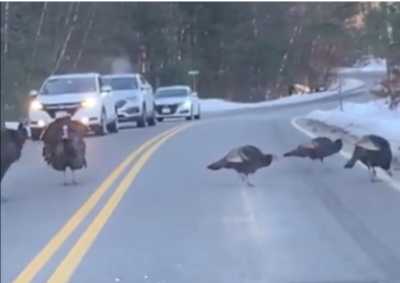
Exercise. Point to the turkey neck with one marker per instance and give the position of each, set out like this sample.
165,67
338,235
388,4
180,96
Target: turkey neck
338,144
267,159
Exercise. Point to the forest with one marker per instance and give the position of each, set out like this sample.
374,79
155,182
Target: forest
243,51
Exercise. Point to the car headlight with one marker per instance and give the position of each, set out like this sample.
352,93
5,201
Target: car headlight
85,120
41,123
187,104
89,102
36,105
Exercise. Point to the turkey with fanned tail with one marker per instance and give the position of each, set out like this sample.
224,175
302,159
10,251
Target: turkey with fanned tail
245,160
64,146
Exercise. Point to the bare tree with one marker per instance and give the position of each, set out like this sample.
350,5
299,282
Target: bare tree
295,33
67,39
6,19
86,35
37,36
3,61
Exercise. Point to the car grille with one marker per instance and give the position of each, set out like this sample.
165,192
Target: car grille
132,110
120,104
70,108
171,107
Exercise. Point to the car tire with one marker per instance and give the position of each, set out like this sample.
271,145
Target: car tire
160,119
152,120
198,116
35,134
189,118
141,123
113,127
101,130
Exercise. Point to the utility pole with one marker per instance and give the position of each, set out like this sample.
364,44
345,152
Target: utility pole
142,59
340,91
3,90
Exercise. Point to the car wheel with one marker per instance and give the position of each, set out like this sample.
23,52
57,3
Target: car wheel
152,120
141,123
35,134
197,117
188,118
160,119
113,127
101,130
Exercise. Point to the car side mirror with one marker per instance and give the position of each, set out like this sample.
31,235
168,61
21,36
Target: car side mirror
105,90
33,93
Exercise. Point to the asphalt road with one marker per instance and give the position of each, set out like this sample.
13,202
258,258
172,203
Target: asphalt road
165,218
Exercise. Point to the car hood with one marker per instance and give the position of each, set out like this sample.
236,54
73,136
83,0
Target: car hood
65,98
170,100
123,94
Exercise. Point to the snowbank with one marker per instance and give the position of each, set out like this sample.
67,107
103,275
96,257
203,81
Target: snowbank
219,105
373,65
373,117
376,65
12,125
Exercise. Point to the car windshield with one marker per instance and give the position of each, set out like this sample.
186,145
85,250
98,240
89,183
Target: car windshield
69,85
121,83
172,93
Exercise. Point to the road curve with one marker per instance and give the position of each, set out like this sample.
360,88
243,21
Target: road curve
175,221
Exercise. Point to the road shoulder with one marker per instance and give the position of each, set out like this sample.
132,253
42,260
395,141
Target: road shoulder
314,128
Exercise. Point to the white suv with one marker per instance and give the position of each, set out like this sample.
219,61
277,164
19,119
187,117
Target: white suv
82,96
177,102
133,97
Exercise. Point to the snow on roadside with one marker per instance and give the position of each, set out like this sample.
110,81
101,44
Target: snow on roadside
378,65
12,125
373,65
219,105
372,117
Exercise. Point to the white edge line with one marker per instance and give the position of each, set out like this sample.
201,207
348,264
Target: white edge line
393,183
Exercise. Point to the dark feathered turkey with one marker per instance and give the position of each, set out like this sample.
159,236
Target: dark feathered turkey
373,151
64,145
12,142
318,148
245,160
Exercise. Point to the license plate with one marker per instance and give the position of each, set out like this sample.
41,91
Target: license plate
60,114
166,110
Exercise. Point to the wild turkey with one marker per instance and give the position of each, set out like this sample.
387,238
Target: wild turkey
319,148
12,142
64,146
245,160
373,151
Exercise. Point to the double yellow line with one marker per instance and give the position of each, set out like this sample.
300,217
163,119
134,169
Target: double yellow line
65,270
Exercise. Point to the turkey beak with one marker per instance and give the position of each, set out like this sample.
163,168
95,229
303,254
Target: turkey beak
65,132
